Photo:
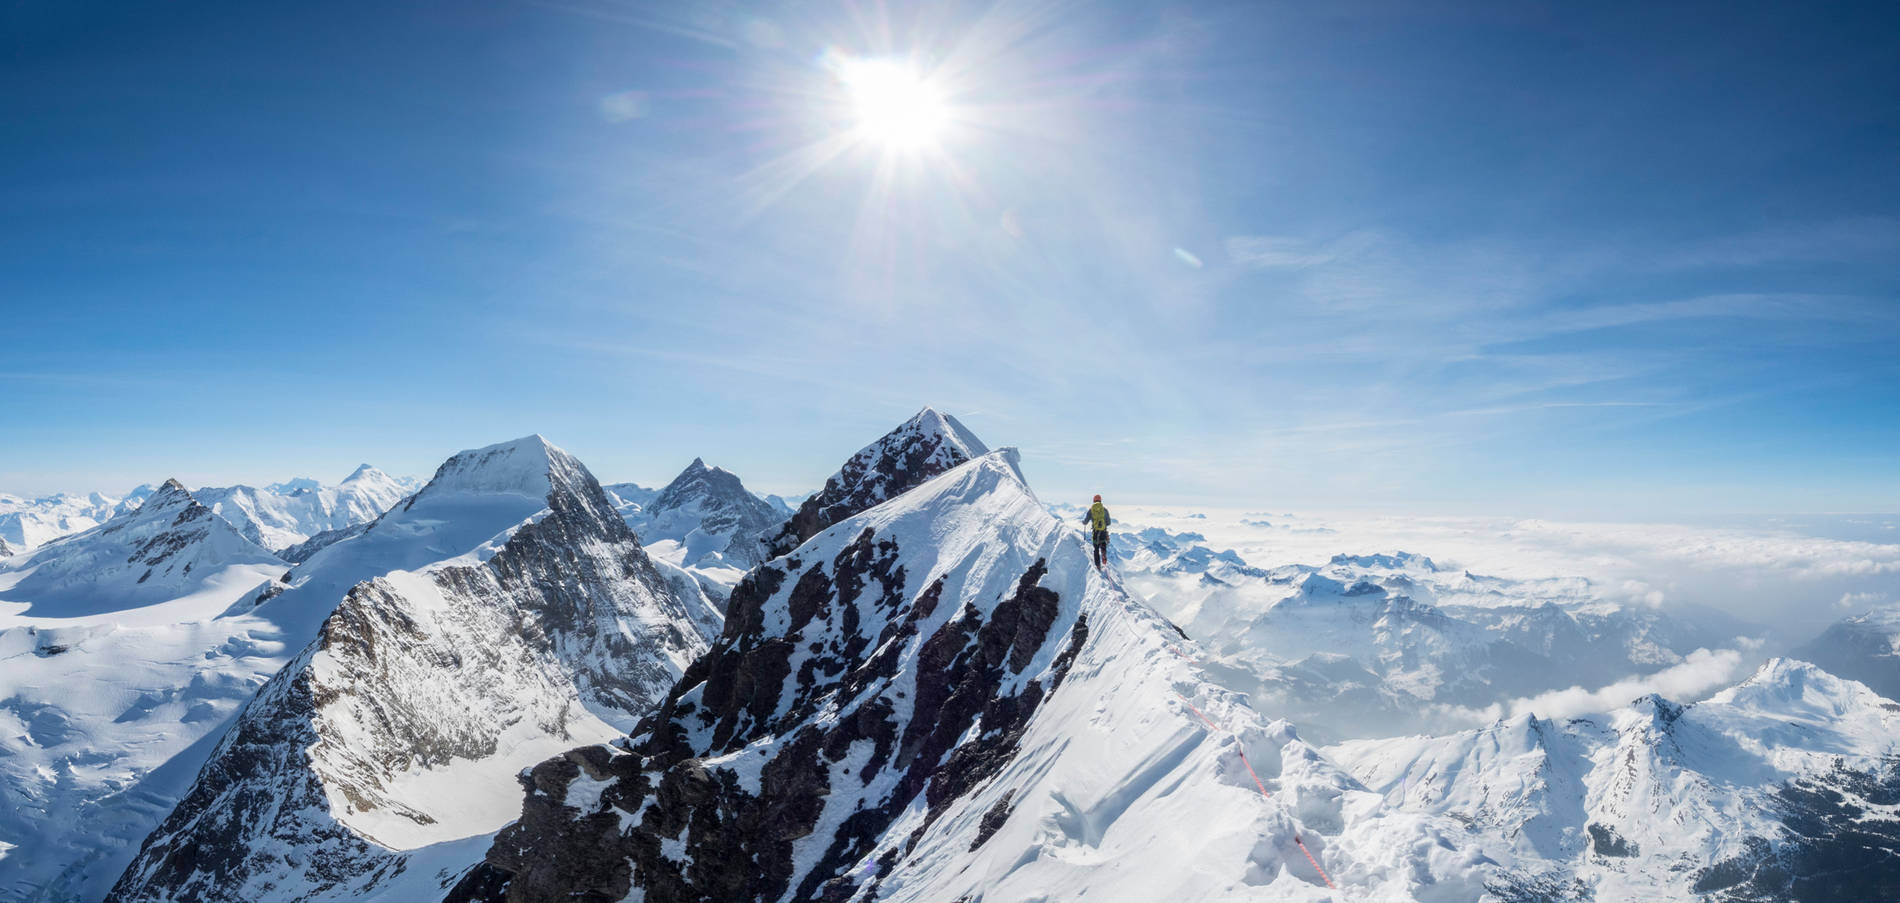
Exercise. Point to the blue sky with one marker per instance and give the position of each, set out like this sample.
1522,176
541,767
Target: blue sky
1594,260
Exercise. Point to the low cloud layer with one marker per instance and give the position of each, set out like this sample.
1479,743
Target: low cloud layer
1789,581
1699,674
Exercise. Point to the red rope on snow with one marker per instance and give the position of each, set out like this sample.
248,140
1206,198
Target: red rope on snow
1315,862
1211,725
1256,778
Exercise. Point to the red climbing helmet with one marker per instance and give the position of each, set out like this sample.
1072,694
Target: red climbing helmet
1098,497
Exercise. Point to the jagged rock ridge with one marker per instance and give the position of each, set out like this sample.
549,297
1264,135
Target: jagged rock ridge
922,447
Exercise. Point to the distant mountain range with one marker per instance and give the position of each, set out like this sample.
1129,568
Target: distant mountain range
512,682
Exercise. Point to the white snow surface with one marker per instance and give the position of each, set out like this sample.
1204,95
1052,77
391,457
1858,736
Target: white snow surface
475,501
1121,791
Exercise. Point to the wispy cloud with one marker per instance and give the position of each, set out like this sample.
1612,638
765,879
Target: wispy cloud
1286,252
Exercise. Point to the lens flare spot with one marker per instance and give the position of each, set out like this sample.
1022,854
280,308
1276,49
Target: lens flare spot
892,104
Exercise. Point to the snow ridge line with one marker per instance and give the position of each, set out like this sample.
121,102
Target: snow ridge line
1242,753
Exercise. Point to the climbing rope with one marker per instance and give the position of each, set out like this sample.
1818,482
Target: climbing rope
1315,862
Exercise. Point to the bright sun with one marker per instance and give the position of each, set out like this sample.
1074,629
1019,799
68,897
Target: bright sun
892,104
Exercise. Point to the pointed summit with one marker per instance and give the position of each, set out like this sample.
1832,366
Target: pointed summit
169,494
710,515
921,704
922,447
364,471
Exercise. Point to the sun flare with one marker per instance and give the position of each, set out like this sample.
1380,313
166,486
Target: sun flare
892,105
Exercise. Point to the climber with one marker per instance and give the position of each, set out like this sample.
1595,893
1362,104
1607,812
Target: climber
1098,521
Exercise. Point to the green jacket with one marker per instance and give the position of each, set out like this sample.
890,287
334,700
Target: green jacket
1098,518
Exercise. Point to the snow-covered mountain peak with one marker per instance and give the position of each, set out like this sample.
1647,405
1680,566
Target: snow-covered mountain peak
919,448
1651,711
476,500
1764,791
287,516
170,495
931,422
698,480
1791,686
29,523
1319,589
365,472
530,466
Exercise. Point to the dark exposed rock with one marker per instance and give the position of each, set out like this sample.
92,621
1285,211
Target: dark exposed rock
1604,841
1842,843
993,819
1510,887
923,447
798,673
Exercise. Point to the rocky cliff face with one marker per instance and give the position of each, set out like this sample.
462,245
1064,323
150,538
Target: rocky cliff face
423,689
922,447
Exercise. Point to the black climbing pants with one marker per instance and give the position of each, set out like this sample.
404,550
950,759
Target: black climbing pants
1101,548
